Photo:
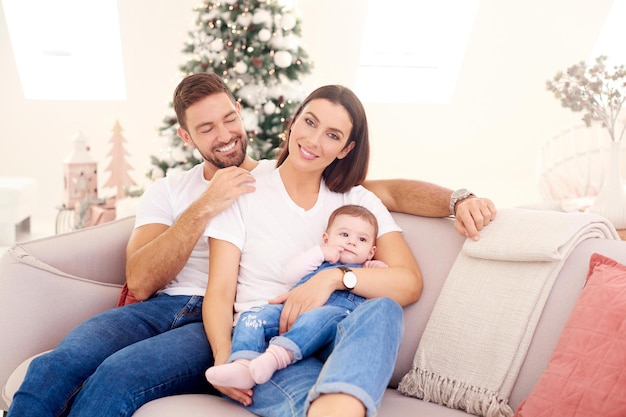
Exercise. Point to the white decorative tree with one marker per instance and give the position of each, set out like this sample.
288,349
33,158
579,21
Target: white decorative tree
254,45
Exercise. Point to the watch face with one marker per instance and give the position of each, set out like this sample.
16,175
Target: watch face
349,279
460,193
457,196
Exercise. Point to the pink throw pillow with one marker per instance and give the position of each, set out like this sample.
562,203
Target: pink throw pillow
586,375
126,297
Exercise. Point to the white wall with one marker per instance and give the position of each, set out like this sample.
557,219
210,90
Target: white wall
487,139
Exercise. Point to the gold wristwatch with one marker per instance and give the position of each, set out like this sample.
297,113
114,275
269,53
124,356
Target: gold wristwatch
349,277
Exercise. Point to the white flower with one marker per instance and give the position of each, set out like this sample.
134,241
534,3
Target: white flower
208,16
275,91
269,107
250,93
250,119
282,59
173,171
265,35
278,41
262,17
288,21
217,45
179,154
196,154
241,67
244,19
291,41
156,173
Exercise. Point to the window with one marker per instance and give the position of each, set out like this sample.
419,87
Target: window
610,41
412,50
67,49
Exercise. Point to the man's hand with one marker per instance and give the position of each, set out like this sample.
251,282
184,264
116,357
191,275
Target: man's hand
225,187
472,215
155,253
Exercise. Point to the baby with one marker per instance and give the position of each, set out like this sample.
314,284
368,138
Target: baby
348,242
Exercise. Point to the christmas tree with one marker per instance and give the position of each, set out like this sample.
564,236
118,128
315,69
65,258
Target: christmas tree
254,45
119,166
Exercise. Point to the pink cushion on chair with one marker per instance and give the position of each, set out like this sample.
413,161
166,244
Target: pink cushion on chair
586,375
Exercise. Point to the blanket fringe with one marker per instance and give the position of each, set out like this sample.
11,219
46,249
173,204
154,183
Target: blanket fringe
454,394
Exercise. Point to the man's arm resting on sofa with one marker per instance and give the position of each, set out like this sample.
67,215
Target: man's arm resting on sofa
425,199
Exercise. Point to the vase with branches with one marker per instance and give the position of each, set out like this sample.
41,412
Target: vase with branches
596,90
599,92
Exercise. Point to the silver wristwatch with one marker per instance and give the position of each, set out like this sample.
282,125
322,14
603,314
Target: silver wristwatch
458,195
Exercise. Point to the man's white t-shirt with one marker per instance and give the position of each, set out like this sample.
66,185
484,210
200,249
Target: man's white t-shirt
164,202
270,229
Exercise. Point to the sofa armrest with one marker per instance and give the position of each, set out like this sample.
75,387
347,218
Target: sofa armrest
49,285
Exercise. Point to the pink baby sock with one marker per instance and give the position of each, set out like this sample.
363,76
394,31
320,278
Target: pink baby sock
235,374
263,367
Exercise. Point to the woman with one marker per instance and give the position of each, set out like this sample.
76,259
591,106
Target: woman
321,166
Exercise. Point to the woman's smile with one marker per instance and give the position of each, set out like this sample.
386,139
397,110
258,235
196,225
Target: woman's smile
306,154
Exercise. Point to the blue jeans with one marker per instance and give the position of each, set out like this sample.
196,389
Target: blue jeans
309,333
361,364
113,363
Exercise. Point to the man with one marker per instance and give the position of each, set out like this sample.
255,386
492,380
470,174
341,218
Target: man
117,361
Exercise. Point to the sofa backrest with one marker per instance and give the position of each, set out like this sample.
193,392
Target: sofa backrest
435,244
109,266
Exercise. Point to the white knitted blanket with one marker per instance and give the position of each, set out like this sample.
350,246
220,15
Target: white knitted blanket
481,326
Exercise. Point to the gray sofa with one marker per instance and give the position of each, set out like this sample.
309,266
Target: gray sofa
49,285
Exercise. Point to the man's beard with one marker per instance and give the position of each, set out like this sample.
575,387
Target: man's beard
227,161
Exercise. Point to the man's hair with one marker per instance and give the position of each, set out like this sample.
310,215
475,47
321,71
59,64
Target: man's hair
341,174
354,211
194,88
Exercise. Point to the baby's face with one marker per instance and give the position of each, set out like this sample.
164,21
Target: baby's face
354,235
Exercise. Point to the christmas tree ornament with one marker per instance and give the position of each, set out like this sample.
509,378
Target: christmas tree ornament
282,59
265,35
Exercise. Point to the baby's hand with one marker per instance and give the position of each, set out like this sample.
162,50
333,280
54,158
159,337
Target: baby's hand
332,253
375,264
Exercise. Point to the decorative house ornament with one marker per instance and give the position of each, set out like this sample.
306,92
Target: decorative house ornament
80,174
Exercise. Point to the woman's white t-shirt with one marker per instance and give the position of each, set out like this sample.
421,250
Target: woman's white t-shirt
164,202
269,229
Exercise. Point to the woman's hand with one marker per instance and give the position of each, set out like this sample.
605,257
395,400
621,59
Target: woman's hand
243,396
312,294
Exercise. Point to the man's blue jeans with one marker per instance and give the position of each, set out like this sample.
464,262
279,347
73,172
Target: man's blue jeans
115,362
131,355
361,364
311,331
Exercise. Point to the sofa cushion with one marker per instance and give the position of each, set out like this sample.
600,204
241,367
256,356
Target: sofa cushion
586,375
15,379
